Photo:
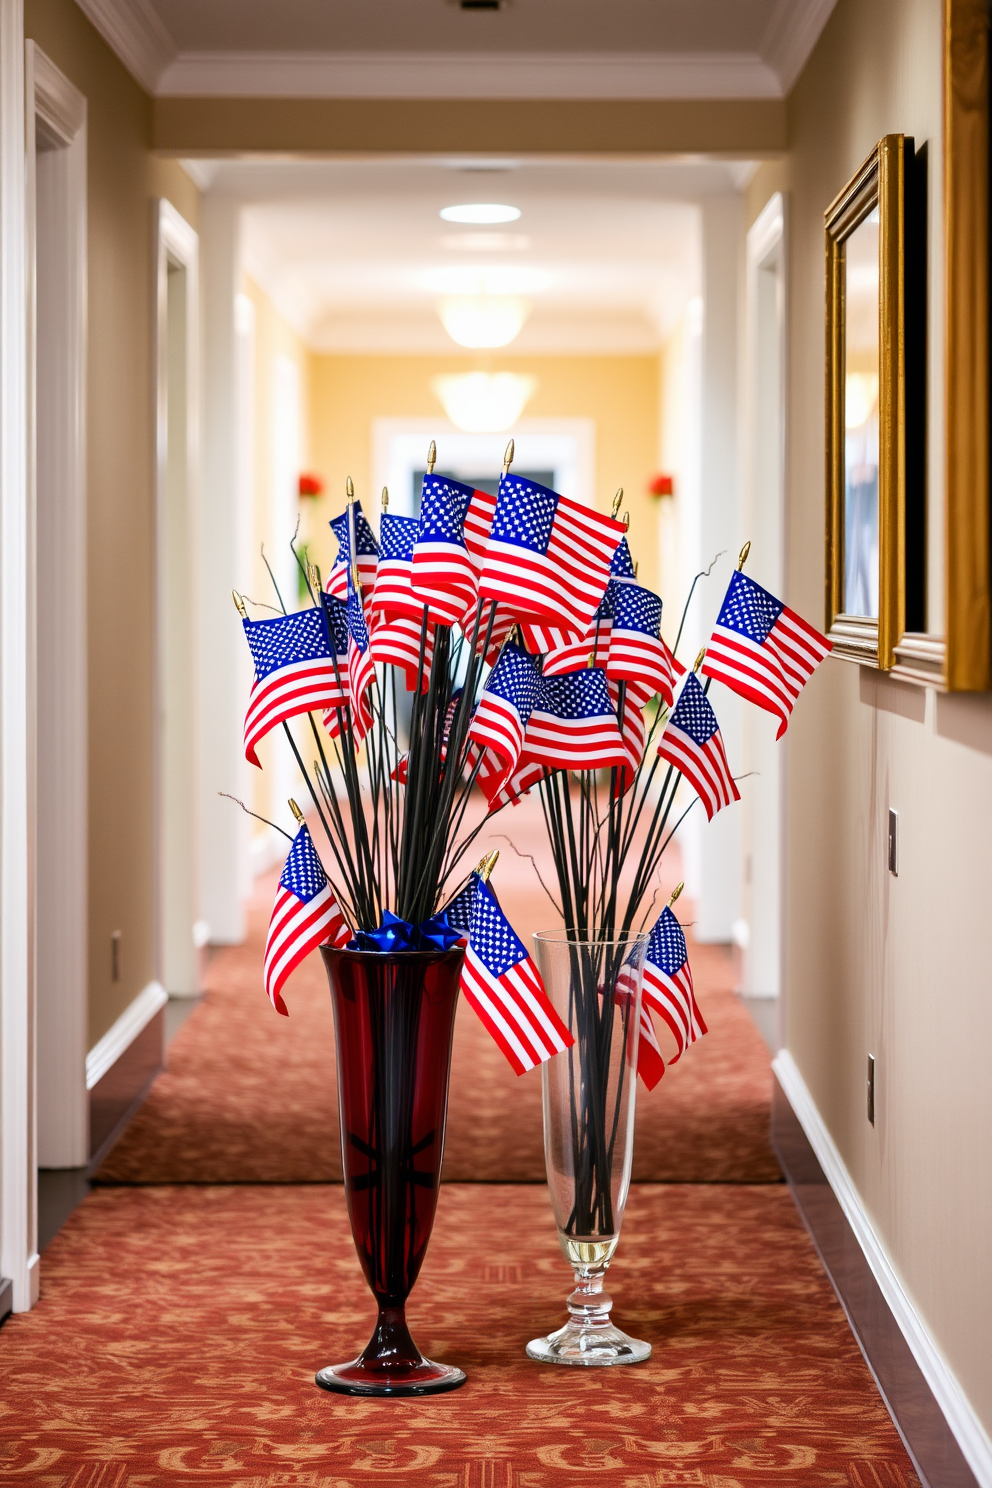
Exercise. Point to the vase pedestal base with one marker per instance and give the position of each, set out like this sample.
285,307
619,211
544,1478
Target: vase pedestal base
582,1344
427,1379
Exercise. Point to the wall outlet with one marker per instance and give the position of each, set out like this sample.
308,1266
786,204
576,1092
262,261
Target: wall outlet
115,956
893,843
870,1092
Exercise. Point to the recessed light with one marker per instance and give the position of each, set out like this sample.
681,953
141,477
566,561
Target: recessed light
480,213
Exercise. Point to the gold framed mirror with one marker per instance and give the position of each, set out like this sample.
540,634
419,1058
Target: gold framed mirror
866,407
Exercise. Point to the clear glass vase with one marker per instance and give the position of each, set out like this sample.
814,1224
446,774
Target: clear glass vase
394,1018
589,1094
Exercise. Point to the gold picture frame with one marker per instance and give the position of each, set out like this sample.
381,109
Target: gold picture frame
877,190
968,655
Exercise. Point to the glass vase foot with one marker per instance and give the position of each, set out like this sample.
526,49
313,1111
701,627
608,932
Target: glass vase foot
426,1378
585,1344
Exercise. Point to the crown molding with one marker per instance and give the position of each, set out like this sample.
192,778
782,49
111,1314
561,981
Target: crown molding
468,75
790,36
132,29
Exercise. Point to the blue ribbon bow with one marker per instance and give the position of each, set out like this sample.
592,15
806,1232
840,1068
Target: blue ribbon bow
395,934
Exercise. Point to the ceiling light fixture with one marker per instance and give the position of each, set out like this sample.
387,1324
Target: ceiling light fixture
486,320
485,242
486,279
484,402
480,213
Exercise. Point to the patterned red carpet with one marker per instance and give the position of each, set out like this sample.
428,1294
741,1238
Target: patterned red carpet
250,1097
179,1330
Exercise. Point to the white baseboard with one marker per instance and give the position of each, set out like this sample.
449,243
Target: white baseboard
122,1034
958,1411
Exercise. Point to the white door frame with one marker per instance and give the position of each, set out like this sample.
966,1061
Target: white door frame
765,509
176,246
18,1186
56,197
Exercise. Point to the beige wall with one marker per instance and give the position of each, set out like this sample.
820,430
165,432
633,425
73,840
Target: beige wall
897,967
273,338
124,180
619,393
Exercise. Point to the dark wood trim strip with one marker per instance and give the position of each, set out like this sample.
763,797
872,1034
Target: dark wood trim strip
918,1418
116,1098
6,1297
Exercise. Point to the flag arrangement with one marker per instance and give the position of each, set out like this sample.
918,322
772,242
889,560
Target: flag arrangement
763,650
306,915
544,591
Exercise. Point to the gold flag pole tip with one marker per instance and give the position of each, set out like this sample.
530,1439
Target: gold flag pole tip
349,488
296,811
675,893
508,457
616,502
699,660
385,498
239,604
487,865
431,458
742,556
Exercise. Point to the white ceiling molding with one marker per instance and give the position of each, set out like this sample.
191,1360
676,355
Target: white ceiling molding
792,33
133,29
708,75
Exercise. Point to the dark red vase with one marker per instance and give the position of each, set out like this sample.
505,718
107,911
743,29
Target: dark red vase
394,1017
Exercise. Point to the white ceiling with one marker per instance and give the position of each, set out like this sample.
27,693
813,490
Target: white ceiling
433,48
351,251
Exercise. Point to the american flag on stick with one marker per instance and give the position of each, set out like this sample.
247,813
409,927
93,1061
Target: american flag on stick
650,1061
503,713
502,984
443,571
763,650
668,982
393,591
294,672
361,667
637,653
366,553
548,557
337,630
399,642
573,725
562,652
306,914
692,742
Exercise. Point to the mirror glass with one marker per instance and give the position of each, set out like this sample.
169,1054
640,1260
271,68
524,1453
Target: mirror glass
861,420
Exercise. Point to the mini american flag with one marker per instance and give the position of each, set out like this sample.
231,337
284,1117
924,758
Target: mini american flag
503,985
393,591
520,784
668,982
366,554
399,642
294,672
548,557
633,730
443,571
637,652
573,725
475,621
337,629
503,712
693,744
566,654
305,915
361,667
762,649
650,1061
622,566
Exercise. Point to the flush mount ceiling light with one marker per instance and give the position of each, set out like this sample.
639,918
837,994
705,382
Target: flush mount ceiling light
480,213
484,402
486,242
486,279
484,320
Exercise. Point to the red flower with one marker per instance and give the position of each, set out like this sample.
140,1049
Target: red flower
311,485
661,485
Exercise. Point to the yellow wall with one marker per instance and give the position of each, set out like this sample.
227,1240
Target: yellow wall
619,393
124,180
896,967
